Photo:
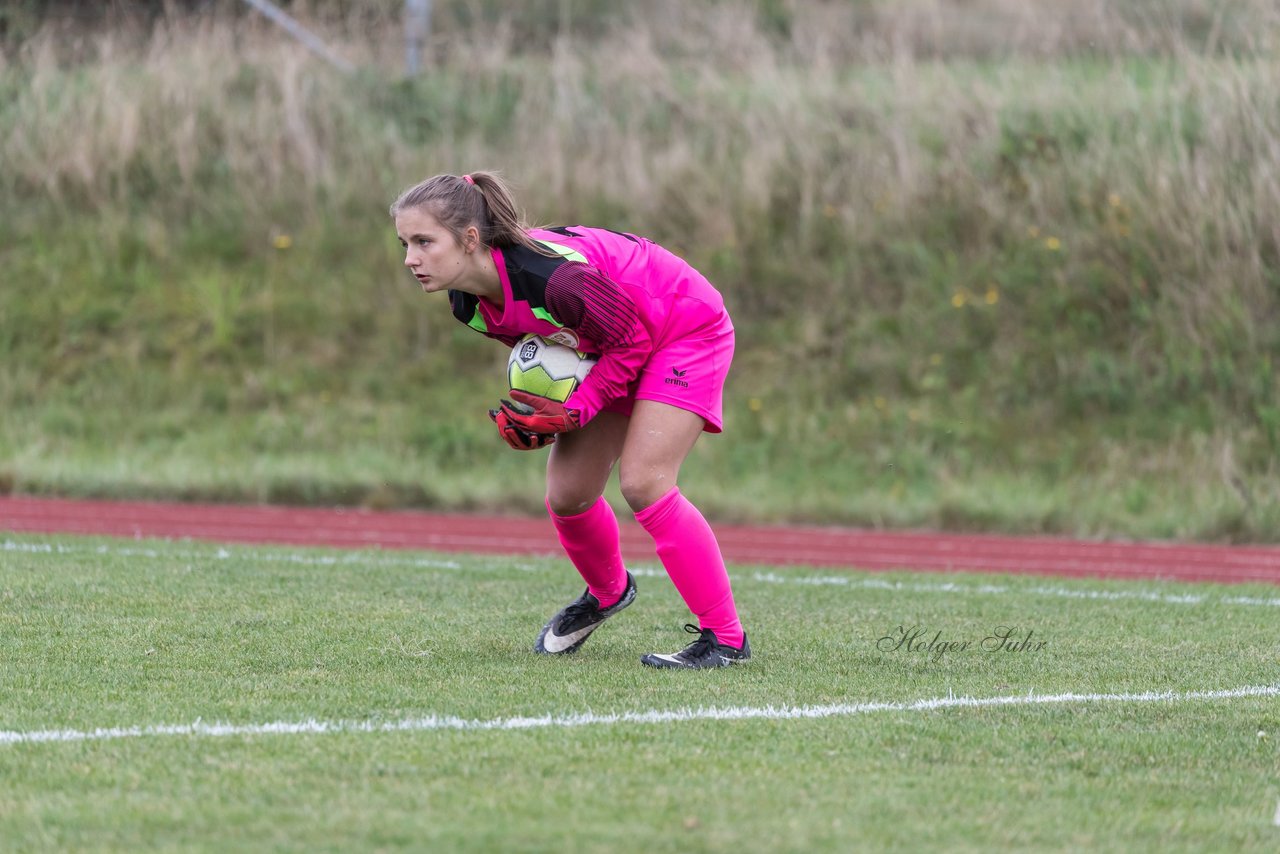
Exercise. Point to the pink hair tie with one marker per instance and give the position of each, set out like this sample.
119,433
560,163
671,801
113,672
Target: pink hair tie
469,180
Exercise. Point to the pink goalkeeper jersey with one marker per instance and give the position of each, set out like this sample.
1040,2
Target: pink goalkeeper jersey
614,294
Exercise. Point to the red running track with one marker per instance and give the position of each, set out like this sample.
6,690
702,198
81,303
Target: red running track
812,546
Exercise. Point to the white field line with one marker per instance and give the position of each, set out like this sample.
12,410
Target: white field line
581,719
800,577
354,558
979,589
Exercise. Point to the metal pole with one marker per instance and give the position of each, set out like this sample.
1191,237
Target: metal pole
301,33
417,26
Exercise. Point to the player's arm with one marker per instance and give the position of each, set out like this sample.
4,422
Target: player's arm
603,312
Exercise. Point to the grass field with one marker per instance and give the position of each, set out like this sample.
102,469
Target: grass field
325,700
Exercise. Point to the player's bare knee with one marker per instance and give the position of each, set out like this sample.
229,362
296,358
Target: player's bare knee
570,503
643,488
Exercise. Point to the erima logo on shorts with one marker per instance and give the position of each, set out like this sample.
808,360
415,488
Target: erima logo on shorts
528,351
678,378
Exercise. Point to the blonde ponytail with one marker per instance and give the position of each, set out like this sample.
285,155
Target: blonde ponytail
481,199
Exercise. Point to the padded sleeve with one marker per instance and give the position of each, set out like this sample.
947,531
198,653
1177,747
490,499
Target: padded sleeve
603,312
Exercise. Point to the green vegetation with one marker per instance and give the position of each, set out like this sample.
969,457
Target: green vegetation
1025,277
105,634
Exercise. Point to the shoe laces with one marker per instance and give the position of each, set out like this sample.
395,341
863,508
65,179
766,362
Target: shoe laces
703,646
580,607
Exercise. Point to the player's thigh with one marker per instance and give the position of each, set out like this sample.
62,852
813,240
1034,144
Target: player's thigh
658,439
580,462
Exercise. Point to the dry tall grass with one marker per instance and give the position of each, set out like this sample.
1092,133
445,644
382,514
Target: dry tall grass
1116,162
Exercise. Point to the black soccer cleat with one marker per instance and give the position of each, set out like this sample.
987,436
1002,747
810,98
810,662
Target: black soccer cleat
570,628
706,651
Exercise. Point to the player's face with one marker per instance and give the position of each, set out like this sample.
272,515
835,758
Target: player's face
431,252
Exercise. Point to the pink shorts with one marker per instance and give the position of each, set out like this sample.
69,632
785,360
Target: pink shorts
688,366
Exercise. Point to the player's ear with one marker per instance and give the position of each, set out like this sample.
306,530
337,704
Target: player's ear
471,239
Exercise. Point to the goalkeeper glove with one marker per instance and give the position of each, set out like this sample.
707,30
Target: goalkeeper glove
539,414
518,437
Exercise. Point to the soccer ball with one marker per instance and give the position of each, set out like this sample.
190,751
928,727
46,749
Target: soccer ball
547,369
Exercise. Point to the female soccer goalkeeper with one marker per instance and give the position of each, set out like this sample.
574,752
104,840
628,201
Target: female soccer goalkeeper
665,343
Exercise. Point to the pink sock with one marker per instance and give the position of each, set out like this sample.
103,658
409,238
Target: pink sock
591,541
688,549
